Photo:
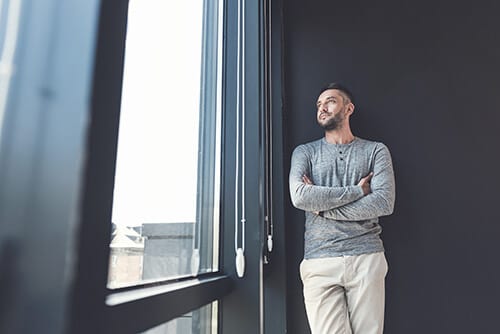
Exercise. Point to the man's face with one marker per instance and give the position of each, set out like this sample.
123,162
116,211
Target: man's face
332,108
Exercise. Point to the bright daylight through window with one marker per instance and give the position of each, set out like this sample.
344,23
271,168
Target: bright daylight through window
166,195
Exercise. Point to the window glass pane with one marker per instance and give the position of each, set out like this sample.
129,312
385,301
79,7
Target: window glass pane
201,321
166,194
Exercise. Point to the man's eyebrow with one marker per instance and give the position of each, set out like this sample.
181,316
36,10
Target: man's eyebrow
331,97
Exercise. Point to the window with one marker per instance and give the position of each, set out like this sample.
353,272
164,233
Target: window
166,196
137,304
59,164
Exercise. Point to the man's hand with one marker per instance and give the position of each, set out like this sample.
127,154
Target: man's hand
307,180
365,183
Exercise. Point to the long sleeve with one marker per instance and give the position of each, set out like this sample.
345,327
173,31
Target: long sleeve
313,197
380,202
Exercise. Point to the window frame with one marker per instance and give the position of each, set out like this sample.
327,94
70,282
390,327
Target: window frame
89,312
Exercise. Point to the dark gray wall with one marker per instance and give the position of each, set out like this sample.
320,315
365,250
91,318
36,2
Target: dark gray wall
426,76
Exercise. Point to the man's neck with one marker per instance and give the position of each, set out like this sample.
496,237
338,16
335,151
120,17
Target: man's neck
340,136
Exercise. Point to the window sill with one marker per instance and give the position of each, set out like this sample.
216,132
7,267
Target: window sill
163,303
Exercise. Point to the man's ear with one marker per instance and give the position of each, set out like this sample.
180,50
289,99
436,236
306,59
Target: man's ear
350,108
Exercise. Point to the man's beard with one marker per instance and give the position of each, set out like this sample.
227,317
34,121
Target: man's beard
333,123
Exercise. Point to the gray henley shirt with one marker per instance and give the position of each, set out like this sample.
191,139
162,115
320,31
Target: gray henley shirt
349,220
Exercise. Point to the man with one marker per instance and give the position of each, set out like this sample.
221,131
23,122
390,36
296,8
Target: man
344,184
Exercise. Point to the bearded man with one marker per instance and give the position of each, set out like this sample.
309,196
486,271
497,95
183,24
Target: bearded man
344,184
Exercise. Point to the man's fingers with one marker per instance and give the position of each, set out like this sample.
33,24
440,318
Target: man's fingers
306,179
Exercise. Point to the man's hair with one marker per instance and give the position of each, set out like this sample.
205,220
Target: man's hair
340,87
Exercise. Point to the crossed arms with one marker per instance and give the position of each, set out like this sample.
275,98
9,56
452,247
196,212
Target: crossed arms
372,197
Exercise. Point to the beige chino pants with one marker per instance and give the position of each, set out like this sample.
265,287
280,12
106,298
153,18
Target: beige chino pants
345,295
